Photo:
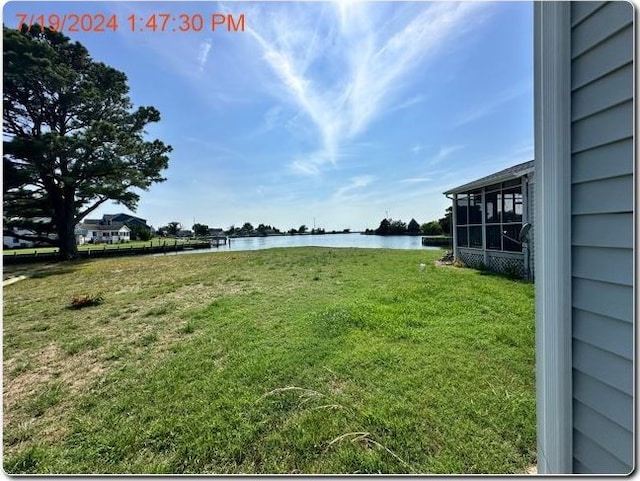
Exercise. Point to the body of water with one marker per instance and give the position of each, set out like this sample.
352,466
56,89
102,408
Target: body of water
326,240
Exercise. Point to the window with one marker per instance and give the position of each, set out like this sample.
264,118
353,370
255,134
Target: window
512,205
462,209
501,211
494,237
469,219
463,239
491,207
475,236
504,211
475,208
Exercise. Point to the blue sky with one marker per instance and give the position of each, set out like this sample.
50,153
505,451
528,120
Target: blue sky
343,112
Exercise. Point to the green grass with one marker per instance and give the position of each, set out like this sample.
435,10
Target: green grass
305,360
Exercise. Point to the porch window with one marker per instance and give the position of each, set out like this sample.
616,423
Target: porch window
469,219
504,210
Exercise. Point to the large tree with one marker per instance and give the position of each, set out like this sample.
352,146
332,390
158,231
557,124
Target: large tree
71,137
445,222
413,227
200,230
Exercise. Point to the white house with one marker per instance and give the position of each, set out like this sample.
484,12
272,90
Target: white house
11,242
111,233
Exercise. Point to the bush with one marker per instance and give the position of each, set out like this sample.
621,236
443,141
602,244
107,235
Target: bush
432,228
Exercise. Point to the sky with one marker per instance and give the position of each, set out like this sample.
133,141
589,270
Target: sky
327,114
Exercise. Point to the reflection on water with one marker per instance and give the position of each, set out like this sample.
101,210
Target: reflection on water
326,240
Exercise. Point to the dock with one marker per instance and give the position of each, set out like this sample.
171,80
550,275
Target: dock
437,241
217,241
106,250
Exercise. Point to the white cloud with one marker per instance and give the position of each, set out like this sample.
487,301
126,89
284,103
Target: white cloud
356,183
203,54
415,180
408,103
345,74
443,153
494,104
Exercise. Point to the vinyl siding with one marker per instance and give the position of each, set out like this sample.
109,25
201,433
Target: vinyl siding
602,105
588,165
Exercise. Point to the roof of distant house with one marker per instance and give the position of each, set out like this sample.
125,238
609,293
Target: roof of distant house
507,174
109,218
126,217
112,226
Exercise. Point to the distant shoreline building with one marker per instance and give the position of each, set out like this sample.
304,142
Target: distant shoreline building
112,228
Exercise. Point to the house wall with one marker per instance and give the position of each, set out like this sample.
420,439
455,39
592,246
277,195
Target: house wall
602,74
12,242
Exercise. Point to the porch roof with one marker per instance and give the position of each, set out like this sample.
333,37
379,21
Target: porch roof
507,174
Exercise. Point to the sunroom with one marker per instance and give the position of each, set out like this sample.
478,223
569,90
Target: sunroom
492,219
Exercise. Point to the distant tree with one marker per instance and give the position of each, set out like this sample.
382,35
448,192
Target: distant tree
173,228
302,229
292,231
139,232
200,229
397,227
445,222
262,229
247,229
432,228
384,228
413,227
71,138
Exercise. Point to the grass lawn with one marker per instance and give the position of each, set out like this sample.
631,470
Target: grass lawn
297,360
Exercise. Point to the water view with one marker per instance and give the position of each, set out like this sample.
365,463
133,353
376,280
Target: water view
326,240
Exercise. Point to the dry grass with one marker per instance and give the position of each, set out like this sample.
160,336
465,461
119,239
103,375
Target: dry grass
144,300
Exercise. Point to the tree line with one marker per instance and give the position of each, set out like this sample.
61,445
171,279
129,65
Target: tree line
441,226
202,230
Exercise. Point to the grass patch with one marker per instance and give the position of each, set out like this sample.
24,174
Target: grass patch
47,398
303,360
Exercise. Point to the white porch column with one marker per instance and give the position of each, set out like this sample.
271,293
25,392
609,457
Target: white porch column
552,87
454,228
